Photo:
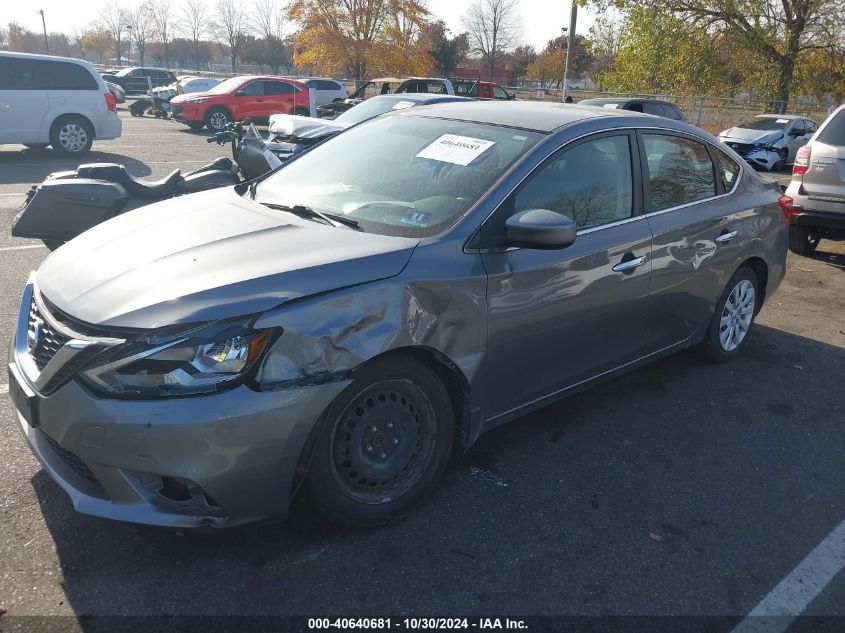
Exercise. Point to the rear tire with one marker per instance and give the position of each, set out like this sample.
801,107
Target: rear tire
733,317
802,241
72,135
386,441
217,118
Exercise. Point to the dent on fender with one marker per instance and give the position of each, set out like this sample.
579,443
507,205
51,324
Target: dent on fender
327,337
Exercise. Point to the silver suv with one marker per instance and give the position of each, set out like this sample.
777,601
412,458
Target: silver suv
817,190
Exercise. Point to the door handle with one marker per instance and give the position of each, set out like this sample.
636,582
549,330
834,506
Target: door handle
726,236
628,265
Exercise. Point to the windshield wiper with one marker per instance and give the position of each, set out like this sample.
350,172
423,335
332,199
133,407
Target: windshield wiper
307,212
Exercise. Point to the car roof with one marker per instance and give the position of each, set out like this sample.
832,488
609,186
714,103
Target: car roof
420,97
531,115
396,79
54,58
601,100
779,116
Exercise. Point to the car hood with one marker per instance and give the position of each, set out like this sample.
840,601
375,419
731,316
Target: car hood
744,135
207,256
302,129
193,95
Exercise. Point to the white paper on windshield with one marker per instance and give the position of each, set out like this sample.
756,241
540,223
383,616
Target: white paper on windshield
401,105
272,159
458,150
783,121
610,105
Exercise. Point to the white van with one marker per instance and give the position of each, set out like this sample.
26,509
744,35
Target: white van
58,101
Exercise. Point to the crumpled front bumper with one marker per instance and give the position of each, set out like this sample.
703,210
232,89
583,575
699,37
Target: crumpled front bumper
762,158
236,452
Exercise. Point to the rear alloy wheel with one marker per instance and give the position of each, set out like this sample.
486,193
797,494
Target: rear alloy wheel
733,316
386,442
72,135
217,119
802,241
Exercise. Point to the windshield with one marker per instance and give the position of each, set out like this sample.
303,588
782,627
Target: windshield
372,108
399,175
764,124
228,85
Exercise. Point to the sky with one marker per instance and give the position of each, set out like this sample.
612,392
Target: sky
541,19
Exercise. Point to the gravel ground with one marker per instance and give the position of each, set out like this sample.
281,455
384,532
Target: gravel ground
680,489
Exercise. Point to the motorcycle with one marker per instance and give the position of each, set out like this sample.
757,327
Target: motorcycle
68,203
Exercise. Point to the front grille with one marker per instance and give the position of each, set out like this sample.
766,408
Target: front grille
740,148
47,340
75,464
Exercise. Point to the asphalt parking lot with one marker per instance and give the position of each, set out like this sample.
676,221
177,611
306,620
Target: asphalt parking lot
681,489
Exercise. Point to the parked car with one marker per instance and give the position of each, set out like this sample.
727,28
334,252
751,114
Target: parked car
769,141
816,193
481,90
326,90
656,107
118,92
235,99
58,101
343,326
188,84
388,85
141,79
290,135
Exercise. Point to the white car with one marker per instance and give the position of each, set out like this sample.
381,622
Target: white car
190,83
326,90
769,141
58,101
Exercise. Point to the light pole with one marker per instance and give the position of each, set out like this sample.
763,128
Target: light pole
573,15
44,24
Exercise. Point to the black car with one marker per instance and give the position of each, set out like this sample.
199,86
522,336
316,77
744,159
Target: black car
141,79
648,106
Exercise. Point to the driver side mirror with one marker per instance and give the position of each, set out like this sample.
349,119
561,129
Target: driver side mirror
540,229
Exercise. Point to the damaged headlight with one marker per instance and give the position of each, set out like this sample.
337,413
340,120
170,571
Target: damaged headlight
198,361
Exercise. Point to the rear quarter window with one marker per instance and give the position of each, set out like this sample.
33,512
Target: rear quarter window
833,133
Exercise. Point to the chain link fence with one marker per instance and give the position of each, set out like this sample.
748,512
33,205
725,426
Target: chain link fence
710,113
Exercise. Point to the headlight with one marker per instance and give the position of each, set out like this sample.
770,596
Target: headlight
203,360
195,100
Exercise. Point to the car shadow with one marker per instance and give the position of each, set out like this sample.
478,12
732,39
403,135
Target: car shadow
31,166
633,470
827,257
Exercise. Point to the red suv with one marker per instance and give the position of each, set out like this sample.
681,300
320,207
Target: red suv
238,98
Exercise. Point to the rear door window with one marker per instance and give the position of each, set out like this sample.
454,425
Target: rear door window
679,169
833,132
277,88
66,76
654,108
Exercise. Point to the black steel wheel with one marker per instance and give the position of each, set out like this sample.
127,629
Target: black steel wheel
386,442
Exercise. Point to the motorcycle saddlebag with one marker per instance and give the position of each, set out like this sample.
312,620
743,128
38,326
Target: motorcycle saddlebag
62,209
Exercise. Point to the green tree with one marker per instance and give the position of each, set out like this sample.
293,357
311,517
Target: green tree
446,52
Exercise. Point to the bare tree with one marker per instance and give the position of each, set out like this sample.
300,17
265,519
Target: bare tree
196,24
113,20
165,25
493,27
141,27
228,28
269,19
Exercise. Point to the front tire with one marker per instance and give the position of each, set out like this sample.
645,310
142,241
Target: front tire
802,241
780,164
217,119
385,443
733,317
72,135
